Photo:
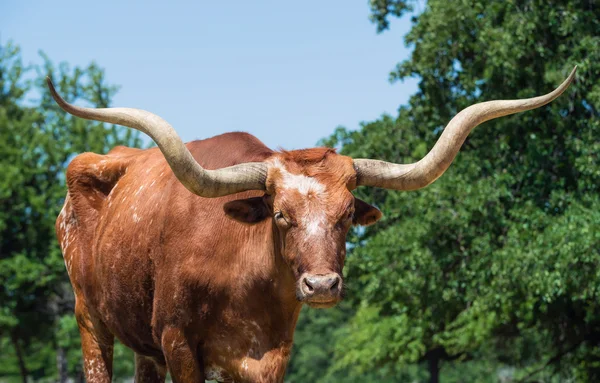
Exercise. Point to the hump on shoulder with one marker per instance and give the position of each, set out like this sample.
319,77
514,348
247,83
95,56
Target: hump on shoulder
229,149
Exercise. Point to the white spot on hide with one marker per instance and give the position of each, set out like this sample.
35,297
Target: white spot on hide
314,219
314,224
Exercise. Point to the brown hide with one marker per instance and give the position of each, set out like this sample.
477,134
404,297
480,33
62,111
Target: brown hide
180,282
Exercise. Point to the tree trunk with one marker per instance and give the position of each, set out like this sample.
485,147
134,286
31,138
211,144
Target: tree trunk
61,365
20,357
434,367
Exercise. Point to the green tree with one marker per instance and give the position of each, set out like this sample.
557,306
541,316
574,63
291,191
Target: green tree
493,267
37,140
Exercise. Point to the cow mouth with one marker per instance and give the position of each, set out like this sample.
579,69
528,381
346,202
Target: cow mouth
322,304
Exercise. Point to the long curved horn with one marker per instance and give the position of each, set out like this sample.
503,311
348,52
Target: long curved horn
422,173
200,181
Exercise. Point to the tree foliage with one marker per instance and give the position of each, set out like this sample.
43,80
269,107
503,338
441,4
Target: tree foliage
494,267
37,140
490,274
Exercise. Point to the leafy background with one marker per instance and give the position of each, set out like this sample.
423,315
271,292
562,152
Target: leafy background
488,275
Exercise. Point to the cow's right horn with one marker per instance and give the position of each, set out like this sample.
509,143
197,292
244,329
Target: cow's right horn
200,181
419,174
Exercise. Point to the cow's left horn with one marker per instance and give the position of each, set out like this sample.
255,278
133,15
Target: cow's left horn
422,173
200,181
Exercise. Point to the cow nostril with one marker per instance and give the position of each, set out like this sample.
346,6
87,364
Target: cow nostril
335,284
309,287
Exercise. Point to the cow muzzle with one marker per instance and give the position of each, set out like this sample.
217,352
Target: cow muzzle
320,290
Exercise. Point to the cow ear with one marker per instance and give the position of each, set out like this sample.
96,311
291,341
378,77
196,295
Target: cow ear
250,210
365,214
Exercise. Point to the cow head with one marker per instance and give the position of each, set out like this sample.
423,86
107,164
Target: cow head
310,203
308,193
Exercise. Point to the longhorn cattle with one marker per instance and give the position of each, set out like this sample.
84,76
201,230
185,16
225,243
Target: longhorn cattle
199,256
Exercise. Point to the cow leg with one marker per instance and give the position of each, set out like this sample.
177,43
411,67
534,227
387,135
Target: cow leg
270,368
96,344
181,357
148,370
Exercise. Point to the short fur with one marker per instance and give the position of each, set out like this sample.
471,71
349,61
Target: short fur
178,279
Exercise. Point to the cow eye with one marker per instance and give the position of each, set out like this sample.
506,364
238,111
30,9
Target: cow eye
281,220
348,217
279,216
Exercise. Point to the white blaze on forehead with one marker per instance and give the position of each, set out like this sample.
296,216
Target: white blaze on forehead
303,184
314,219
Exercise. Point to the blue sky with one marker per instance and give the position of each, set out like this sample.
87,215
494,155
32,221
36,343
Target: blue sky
287,72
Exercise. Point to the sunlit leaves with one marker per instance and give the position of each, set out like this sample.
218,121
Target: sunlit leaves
495,263
37,140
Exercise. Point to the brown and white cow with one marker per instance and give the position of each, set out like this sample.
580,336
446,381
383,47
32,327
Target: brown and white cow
199,256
